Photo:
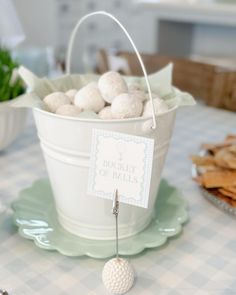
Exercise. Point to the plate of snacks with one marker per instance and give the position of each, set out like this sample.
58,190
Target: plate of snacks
214,169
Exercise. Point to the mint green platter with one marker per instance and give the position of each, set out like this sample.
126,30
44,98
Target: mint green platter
36,217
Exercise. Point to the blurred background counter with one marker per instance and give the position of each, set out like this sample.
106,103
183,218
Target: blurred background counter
203,30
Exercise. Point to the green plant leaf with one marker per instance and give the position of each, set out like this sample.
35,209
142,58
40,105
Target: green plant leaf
9,89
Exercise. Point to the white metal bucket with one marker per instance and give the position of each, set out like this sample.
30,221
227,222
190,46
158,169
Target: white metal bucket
66,145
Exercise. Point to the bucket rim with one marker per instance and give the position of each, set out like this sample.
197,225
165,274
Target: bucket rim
111,121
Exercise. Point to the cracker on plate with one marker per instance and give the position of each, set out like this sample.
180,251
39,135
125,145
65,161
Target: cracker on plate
214,179
217,169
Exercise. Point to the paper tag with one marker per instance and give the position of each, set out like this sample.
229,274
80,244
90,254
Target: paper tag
123,162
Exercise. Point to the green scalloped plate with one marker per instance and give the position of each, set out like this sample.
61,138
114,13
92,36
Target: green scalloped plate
36,217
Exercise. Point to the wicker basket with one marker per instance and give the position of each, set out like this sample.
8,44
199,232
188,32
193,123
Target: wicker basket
213,84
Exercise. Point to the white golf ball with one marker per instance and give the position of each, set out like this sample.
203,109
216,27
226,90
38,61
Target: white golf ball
55,100
105,114
71,94
126,106
159,106
68,110
89,98
118,276
111,84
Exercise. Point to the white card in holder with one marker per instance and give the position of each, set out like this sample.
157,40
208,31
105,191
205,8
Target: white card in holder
123,162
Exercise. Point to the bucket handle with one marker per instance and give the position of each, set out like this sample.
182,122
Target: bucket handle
71,44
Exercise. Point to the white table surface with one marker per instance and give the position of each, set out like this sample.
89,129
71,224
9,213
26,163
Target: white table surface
202,260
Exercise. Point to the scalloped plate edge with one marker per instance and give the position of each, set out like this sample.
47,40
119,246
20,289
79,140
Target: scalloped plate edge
21,230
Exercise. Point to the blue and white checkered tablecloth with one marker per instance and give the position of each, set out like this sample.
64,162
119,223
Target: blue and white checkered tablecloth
202,260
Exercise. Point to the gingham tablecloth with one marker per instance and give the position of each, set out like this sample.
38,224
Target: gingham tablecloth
202,260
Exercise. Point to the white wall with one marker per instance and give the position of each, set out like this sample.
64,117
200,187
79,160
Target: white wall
39,21
213,40
50,22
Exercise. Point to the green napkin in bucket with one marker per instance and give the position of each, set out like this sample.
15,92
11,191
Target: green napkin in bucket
160,82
